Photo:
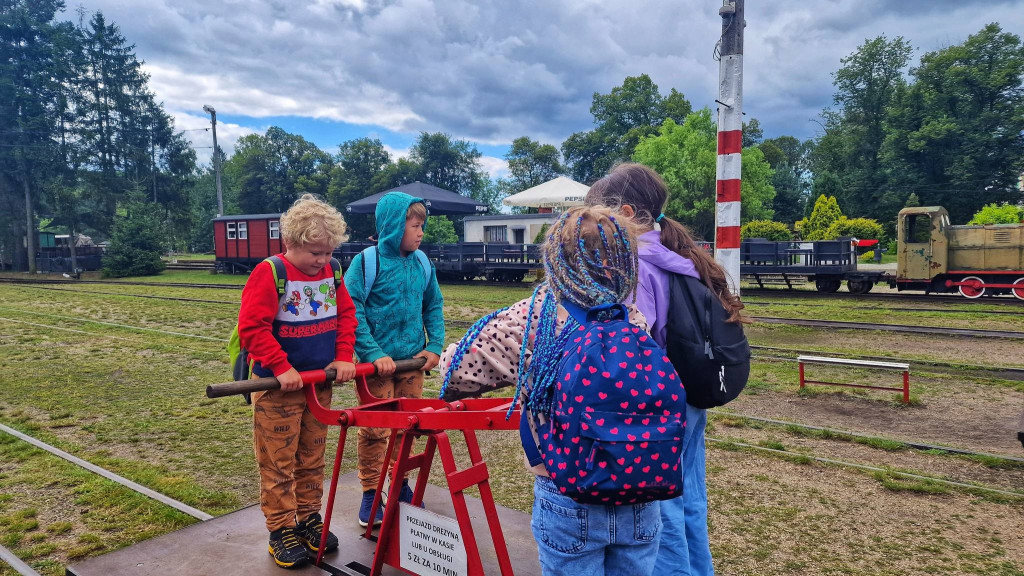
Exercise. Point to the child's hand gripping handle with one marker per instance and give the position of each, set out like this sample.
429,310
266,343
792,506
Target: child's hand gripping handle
310,377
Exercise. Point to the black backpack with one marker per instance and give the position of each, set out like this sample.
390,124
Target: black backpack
711,355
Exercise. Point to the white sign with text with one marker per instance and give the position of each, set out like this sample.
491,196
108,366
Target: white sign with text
430,544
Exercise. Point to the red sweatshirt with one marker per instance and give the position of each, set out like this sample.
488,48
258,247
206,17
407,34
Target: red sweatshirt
310,326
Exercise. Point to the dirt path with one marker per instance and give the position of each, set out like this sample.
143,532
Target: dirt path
976,417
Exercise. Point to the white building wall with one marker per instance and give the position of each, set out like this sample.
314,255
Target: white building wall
474,229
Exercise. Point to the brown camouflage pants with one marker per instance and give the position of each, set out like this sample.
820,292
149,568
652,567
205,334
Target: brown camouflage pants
373,442
289,444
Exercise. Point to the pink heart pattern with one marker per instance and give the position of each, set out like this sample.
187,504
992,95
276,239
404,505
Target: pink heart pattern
616,436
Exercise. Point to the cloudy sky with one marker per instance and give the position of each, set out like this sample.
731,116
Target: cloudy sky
492,70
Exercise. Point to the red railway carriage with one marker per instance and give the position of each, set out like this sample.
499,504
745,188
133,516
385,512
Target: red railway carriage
243,241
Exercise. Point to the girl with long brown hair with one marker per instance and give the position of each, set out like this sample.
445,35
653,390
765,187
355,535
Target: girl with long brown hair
667,247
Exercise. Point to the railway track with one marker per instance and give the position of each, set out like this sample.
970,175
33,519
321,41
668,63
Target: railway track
790,354
1011,312
899,328
976,370
902,328
874,297
921,446
787,354
118,283
775,294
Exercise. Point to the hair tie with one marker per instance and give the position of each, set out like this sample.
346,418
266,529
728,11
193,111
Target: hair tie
660,217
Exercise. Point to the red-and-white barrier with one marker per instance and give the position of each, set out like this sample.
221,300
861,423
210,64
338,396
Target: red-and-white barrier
730,145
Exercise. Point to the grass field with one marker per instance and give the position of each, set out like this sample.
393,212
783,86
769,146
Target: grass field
119,381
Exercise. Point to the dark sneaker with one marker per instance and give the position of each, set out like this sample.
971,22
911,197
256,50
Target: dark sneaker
286,548
309,531
406,494
364,509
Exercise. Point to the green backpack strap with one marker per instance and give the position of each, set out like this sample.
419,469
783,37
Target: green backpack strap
280,273
336,268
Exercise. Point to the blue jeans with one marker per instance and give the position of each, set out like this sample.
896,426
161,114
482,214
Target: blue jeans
593,539
685,550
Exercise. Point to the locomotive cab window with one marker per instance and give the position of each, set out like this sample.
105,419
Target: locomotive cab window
243,230
918,228
275,230
232,231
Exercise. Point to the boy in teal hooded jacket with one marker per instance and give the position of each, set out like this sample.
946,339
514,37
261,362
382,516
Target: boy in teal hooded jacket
401,317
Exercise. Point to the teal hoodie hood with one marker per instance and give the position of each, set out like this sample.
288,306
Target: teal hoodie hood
390,215
403,312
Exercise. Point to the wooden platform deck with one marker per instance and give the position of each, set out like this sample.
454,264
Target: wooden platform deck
236,544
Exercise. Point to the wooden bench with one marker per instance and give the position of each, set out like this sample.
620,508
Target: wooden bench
900,366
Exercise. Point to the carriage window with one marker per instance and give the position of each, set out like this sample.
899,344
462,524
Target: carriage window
275,230
918,229
232,233
243,230
496,233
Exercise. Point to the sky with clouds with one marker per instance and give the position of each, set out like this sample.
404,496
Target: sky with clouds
490,71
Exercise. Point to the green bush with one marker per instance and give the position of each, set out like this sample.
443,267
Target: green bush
135,243
998,214
826,212
861,228
542,234
440,230
767,229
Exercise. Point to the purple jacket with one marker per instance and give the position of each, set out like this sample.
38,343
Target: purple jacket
656,262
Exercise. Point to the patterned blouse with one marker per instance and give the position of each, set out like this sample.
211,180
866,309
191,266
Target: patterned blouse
493,360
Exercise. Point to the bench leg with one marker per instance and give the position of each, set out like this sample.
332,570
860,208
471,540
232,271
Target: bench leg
801,375
906,386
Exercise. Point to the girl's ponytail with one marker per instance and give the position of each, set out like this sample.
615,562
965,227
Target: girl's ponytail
677,238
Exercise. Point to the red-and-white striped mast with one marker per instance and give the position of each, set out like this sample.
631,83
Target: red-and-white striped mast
730,142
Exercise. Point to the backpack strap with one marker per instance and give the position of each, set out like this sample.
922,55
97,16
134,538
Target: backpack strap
371,263
533,455
336,268
583,317
425,263
704,323
370,268
280,273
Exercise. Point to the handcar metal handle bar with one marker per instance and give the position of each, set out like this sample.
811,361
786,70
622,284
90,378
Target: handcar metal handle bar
430,418
310,377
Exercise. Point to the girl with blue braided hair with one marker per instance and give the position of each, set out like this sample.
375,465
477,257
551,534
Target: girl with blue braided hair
590,259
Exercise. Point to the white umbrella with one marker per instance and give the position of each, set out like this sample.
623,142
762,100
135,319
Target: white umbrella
558,193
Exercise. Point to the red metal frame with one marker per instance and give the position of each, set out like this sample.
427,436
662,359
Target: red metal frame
415,418
905,389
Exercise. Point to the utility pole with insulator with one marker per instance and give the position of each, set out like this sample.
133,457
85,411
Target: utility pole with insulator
730,141
216,158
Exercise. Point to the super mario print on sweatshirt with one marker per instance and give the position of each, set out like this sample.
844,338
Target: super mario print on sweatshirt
311,325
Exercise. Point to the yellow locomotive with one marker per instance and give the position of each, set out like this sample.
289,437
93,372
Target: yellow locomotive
935,256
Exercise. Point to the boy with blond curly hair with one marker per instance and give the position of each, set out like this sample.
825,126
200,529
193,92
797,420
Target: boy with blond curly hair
284,325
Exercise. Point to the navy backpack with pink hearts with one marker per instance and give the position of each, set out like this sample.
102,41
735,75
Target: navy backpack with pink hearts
613,429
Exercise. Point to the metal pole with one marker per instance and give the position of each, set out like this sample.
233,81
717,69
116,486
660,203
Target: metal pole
152,161
216,159
730,142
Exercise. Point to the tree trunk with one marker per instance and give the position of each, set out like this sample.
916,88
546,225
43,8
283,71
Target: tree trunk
30,235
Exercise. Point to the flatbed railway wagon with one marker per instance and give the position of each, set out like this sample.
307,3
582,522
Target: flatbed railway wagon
827,263
243,241
936,256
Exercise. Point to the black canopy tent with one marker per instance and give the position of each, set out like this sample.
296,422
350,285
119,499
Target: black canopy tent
438,200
